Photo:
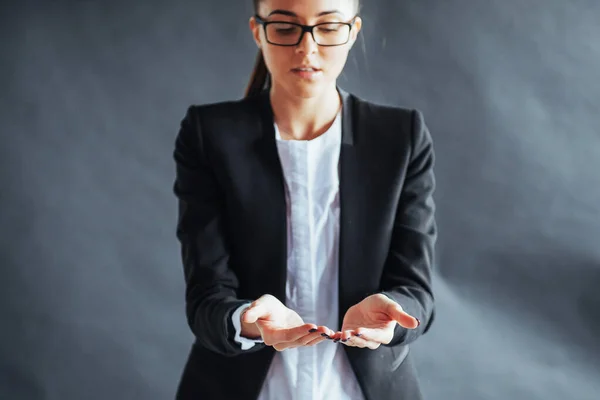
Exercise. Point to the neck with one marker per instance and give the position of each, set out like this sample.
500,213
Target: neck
304,118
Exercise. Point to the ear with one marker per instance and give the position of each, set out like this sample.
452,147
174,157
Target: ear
355,30
255,29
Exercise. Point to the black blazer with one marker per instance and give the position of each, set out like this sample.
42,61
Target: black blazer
232,230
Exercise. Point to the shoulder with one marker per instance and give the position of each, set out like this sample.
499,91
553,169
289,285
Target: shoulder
222,111
388,121
224,124
378,108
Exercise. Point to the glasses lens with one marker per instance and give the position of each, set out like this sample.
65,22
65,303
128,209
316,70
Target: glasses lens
282,33
329,34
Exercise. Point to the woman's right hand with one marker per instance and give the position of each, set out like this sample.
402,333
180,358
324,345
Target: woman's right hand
278,326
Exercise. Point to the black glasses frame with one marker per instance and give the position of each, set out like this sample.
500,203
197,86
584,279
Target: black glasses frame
305,29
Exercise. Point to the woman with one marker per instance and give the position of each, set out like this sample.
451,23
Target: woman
306,223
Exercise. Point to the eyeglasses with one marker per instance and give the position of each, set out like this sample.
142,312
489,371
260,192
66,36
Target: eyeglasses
283,33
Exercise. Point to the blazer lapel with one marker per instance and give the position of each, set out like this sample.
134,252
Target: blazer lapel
351,187
274,209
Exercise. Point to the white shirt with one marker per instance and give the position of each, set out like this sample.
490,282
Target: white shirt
313,209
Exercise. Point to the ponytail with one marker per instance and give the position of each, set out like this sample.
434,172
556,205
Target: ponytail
259,77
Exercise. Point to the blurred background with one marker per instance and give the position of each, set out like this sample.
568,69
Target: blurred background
91,97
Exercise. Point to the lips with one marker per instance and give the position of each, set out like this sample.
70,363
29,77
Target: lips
307,73
306,69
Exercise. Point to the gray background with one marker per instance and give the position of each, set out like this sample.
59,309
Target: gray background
91,96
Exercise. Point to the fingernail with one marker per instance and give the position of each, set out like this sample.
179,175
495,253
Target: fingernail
418,322
325,335
344,340
357,334
313,330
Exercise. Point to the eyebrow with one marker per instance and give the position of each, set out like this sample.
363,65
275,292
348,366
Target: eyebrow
293,14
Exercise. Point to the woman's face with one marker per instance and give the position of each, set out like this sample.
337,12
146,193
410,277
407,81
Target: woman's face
307,69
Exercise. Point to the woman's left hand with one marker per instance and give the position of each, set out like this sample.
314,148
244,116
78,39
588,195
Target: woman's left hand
371,322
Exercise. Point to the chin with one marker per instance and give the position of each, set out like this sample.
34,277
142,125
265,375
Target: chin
307,90
307,94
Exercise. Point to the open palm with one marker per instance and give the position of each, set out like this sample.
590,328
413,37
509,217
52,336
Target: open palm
367,315
372,321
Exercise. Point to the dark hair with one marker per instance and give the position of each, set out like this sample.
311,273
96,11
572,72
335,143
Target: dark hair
260,73
259,76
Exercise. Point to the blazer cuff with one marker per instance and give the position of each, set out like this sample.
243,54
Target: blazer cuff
237,325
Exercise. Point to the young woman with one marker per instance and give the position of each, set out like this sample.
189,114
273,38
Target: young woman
306,223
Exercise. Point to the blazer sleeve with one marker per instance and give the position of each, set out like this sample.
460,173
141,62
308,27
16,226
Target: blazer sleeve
407,275
211,286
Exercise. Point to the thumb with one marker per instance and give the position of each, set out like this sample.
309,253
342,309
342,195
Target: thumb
397,313
253,313
402,317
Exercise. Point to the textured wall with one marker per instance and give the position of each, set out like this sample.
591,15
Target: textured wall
92,93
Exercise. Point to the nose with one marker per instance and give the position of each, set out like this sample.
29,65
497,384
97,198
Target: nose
307,44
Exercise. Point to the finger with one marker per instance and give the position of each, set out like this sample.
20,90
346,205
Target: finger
339,335
403,318
311,337
260,308
254,312
314,335
273,335
356,341
326,332
382,334
320,332
303,341
343,336
323,331
318,340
